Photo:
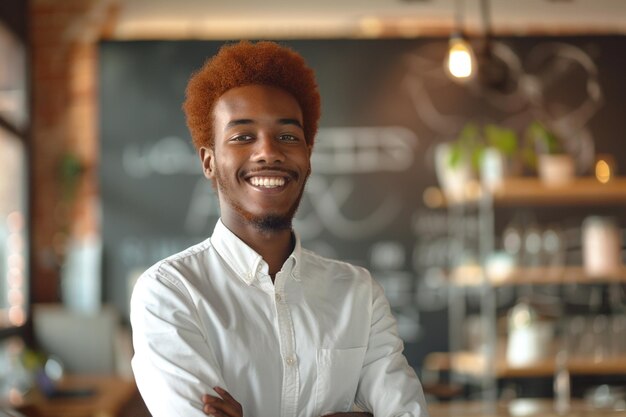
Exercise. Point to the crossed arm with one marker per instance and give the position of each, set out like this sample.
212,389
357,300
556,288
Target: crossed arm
158,314
161,312
227,406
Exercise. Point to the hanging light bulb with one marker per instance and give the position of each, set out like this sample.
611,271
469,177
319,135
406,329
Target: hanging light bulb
460,62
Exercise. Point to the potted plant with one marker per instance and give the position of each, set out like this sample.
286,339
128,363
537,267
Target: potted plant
499,158
490,151
457,162
467,148
545,151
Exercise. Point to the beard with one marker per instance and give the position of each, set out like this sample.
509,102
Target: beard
270,222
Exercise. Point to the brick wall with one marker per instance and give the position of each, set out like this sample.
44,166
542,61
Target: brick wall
64,35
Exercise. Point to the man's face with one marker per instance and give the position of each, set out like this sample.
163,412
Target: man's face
260,159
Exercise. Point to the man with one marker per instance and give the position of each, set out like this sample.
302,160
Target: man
248,323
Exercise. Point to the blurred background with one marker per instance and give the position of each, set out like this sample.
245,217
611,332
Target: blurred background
469,156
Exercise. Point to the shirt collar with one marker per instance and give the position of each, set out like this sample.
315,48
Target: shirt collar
246,262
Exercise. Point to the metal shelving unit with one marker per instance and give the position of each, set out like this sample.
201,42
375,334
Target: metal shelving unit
487,367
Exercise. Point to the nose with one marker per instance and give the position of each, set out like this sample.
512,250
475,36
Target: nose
268,150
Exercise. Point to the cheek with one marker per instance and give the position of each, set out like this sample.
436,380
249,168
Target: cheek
302,157
228,173
306,163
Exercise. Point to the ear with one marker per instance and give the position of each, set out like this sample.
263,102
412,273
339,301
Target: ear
207,156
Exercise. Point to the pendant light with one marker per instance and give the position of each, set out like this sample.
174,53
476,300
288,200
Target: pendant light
460,63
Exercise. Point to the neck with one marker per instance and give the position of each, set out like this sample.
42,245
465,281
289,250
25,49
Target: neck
274,246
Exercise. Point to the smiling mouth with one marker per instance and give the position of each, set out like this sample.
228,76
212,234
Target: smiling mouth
268,182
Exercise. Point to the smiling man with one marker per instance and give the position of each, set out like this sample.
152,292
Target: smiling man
248,323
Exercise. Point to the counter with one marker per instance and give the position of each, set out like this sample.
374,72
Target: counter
518,408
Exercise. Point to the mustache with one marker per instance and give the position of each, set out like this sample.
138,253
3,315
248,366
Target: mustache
290,173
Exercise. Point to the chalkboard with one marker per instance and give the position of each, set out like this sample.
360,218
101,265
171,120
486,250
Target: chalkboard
385,103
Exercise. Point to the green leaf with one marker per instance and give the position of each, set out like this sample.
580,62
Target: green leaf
543,139
501,138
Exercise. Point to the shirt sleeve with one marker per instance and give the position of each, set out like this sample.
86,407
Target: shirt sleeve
388,385
173,363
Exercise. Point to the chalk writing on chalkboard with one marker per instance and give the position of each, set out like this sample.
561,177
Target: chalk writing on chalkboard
170,155
356,150
341,156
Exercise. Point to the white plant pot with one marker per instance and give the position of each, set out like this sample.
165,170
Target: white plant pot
492,168
556,170
530,344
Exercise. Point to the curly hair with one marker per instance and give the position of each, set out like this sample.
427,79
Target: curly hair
246,63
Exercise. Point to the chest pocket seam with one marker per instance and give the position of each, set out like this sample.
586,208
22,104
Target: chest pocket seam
338,372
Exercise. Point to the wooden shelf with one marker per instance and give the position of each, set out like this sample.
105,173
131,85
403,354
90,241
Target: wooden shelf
530,191
527,407
472,276
474,364
581,191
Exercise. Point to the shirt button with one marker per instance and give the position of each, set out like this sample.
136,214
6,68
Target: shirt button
278,298
290,361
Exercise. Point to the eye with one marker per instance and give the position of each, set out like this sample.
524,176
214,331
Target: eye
242,138
289,138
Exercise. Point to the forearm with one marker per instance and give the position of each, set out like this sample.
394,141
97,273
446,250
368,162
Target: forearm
388,384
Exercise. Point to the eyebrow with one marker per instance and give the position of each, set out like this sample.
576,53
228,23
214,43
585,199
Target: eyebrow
239,122
294,122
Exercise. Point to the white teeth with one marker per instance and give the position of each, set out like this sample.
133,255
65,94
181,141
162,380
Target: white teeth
267,182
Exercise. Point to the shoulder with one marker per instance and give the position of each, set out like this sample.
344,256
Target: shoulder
312,260
177,270
323,268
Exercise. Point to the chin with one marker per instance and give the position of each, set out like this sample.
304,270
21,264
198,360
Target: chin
272,223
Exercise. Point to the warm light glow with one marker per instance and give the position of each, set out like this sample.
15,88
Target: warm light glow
16,260
15,221
433,197
473,191
521,318
603,171
15,397
17,316
262,25
15,297
460,62
15,278
15,242
371,27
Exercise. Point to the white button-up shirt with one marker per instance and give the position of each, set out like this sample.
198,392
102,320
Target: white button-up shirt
319,339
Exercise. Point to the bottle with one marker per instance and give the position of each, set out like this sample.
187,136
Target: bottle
602,246
561,384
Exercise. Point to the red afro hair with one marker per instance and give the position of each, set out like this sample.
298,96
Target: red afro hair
246,63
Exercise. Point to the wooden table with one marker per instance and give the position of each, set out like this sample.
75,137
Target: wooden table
518,408
111,395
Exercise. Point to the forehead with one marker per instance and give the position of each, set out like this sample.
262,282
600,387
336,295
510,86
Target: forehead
256,102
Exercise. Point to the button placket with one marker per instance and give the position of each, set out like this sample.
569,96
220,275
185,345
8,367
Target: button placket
291,378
